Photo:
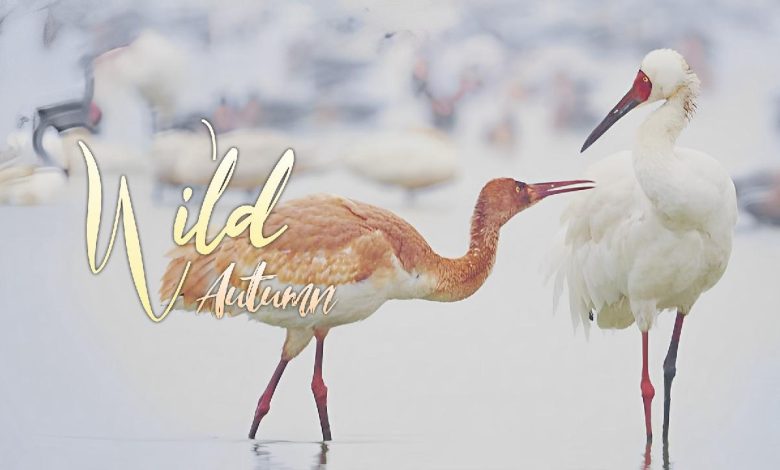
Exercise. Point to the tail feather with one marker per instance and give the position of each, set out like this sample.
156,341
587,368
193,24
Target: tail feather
561,271
199,278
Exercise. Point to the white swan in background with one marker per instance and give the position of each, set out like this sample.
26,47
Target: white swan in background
24,182
19,147
113,157
404,151
148,74
152,67
27,184
184,157
411,159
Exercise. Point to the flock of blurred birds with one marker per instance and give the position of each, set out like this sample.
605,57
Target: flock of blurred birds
344,89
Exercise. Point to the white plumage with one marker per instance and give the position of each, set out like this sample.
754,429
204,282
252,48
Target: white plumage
184,157
151,67
23,181
625,259
26,184
412,159
656,232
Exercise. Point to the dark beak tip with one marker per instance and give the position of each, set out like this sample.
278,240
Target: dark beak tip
588,142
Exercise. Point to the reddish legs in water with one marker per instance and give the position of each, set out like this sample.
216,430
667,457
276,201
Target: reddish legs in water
319,389
648,392
670,370
264,404
317,386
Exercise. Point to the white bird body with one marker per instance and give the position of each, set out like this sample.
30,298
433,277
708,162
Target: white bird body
628,257
20,147
30,184
22,180
113,155
184,157
657,230
411,159
151,67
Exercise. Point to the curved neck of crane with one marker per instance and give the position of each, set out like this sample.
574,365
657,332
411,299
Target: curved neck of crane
659,132
459,278
659,171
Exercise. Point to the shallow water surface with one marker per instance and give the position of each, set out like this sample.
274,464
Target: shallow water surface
496,381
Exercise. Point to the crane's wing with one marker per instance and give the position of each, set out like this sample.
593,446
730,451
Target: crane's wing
590,254
329,241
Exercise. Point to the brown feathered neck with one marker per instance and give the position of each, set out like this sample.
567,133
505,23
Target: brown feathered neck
459,278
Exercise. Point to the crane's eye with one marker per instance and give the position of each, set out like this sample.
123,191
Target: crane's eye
645,79
517,189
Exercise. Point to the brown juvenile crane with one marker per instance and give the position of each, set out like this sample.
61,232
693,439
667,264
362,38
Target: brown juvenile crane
369,254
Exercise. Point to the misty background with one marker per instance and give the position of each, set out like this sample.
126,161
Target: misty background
411,106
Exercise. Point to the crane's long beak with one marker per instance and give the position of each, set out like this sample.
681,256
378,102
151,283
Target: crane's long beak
540,191
639,93
626,104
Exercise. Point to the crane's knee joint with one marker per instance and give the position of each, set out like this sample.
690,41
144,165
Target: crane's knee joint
670,370
648,391
319,389
263,408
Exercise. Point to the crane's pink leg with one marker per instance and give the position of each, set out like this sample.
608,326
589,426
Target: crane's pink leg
670,370
264,404
648,392
319,388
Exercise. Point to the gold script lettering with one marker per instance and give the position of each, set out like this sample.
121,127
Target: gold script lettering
124,206
223,294
242,217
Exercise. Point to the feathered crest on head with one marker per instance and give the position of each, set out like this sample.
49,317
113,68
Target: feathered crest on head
693,84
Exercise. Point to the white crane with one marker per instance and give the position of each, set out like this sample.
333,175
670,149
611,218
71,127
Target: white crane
413,159
656,232
23,179
182,157
30,184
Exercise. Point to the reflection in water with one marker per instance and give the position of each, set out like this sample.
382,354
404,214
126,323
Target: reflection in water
266,458
647,463
322,461
263,456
